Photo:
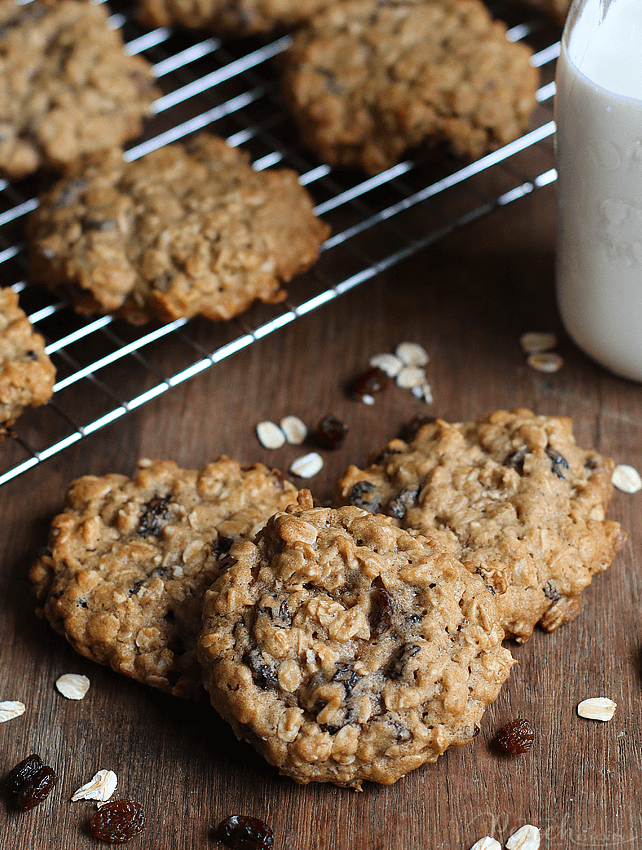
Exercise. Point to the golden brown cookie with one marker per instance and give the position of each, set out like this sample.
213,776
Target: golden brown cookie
190,229
129,561
367,81
67,86
26,372
345,649
229,17
523,506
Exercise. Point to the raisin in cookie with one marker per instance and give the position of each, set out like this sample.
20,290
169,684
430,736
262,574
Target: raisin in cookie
345,649
129,561
67,87
522,504
190,229
229,17
367,81
26,372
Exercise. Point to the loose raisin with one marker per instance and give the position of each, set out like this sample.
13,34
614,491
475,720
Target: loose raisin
36,789
515,737
373,381
244,833
22,772
331,432
118,821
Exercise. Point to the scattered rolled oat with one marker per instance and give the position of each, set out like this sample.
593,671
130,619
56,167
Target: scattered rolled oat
307,466
367,399
412,354
626,478
388,363
486,843
100,787
270,435
597,708
526,838
411,376
73,685
545,361
10,709
294,429
535,341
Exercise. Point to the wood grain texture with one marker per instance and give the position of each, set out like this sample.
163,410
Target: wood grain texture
467,301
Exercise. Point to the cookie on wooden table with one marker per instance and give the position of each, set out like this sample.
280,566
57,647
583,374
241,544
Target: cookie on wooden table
190,229
67,86
229,17
367,81
129,561
523,506
345,649
26,372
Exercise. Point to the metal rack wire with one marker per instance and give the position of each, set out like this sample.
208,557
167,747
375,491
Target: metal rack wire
376,222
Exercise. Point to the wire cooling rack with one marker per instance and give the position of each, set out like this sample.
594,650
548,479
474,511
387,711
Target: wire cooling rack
231,88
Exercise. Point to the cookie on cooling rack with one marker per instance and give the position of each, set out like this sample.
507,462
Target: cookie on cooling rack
26,372
345,649
190,229
130,559
522,504
67,87
229,17
367,82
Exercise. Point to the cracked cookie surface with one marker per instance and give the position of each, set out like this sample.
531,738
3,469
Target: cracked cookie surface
26,373
367,82
67,86
522,505
189,229
345,649
229,17
129,561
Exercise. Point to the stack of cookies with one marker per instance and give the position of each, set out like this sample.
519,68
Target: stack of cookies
346,643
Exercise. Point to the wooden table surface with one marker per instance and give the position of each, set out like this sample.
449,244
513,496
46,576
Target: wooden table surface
467,300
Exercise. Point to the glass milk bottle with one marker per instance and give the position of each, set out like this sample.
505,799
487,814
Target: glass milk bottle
598,144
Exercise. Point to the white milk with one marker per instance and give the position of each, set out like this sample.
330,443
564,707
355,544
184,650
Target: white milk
599,161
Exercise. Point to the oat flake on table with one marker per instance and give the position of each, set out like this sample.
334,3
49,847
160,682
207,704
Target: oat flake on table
100,787
294,429
73,685
388,363
545,361
307,466
534,341
597,708
412,354
270,435
526,838
10,709
626,478
486,843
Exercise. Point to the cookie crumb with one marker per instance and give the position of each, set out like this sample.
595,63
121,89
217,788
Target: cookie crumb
388,363
626,478
294,429
10,709
545,361
597,708
100,787
412,354
73,685
270,435
307,466
526,838
536,341
486,843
